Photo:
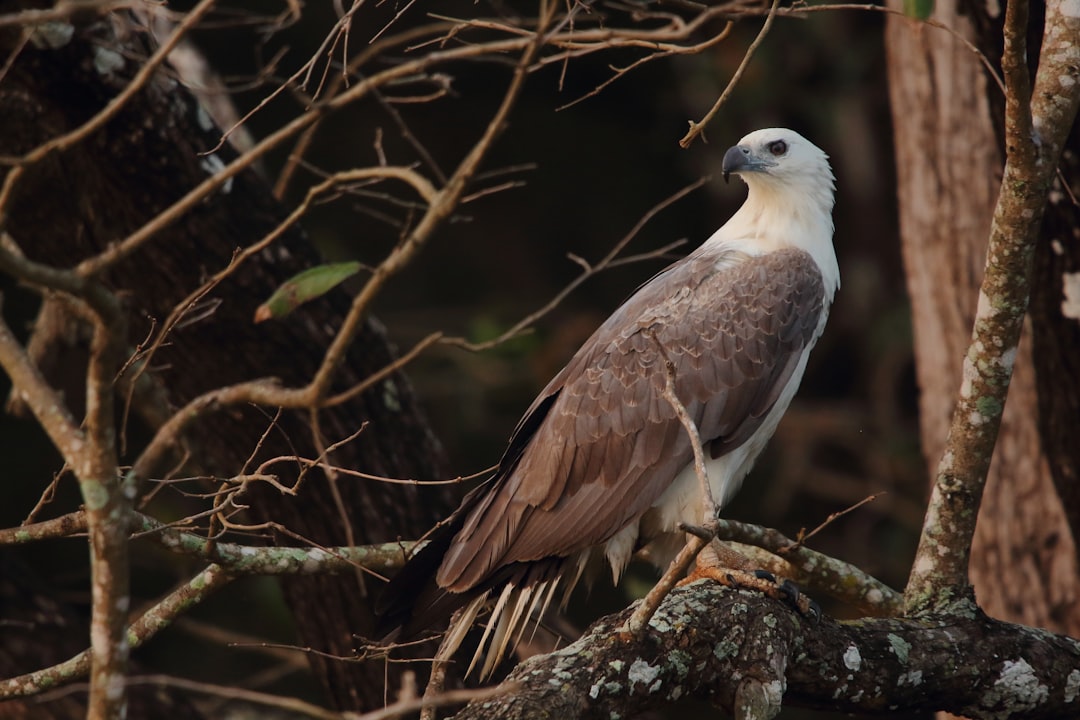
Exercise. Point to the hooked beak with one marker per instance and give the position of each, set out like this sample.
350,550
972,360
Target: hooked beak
738,159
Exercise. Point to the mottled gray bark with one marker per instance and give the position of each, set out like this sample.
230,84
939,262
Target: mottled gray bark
719,645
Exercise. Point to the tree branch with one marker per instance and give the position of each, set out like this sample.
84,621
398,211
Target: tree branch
707,640
812,569
939,575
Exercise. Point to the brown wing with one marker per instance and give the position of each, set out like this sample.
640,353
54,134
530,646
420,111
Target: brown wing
601,444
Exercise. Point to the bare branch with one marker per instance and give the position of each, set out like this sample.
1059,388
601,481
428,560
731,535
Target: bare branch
147,626
697,128
648,606
812,569
610,260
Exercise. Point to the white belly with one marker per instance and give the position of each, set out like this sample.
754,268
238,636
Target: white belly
682,501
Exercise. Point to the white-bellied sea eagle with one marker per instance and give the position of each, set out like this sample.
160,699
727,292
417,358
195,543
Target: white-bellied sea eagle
600,465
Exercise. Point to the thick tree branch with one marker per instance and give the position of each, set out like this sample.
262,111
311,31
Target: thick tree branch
713,643
235,558
814,570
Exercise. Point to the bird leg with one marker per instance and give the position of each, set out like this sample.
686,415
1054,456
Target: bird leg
720,562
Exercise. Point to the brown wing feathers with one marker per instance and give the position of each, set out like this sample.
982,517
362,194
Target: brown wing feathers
601,444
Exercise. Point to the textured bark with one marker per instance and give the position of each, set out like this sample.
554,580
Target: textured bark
712,643
75,203
949,170
1055,322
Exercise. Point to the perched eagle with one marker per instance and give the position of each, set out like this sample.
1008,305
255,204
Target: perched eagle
600,464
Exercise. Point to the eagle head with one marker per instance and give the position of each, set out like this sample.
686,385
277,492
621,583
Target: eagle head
777,155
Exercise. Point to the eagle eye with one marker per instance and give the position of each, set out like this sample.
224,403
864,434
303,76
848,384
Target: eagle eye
778,147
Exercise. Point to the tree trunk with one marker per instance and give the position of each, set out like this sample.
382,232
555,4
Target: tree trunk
949,167
78,201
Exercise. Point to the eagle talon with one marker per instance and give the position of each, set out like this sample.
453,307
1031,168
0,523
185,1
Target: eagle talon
790,592
805,605
768,576
813,612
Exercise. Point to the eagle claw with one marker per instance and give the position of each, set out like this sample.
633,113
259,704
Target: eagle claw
766,582
769,577
806,605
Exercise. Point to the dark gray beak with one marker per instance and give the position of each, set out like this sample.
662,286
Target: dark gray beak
736,159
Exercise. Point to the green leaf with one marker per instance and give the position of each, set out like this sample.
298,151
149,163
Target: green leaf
919,9
308,285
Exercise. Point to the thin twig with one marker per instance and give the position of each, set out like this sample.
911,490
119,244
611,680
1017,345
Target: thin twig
804,536
639,620
610,260
696,128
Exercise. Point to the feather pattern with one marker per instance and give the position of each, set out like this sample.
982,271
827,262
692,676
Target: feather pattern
598,465
620,463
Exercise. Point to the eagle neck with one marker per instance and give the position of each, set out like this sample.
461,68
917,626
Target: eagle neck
777,216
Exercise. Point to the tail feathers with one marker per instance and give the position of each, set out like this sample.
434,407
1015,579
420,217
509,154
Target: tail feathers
520,593
525,596
412,602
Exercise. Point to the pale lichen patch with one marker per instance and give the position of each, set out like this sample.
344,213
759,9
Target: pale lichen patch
1008,359
1016,691
852,658
206,123
1072,686
95,494
913,678
989,406
315,558
107,61
1070,288
52,35
900,647
725,649
643,673
390,396
213,165
680,662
